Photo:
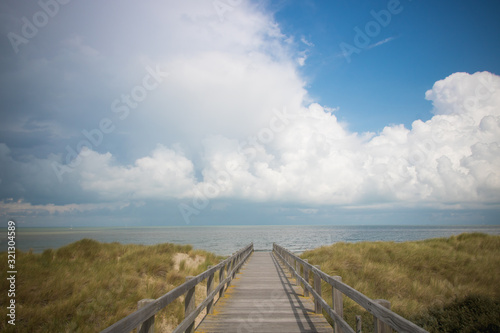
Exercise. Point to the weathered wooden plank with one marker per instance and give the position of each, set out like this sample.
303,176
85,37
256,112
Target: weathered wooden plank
267,328
358,324
190,304
210,288
338,305
317,288
148,325
378,325
306,277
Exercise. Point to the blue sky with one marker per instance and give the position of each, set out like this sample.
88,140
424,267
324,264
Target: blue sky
385,85
249,112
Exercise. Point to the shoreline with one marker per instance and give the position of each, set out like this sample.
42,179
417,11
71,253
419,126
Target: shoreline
41,238
224,240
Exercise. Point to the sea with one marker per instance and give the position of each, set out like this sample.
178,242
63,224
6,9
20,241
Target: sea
225,240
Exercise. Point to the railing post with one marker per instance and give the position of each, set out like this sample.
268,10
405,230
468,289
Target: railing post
147,326
297,273
210,288
235,263
221,278
338,305
317,288
358,324
306,277
230,266
287,259
189,304
238,261
379,325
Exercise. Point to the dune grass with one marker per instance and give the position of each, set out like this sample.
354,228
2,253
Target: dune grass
87,286
444,284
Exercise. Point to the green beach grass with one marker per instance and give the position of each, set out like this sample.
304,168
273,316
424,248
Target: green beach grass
443,284
87,286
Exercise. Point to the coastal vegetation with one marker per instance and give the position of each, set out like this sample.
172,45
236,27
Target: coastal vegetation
443,284
87,286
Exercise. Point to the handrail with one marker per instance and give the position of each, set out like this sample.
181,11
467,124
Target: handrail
191,317
392,319
316,296
140,316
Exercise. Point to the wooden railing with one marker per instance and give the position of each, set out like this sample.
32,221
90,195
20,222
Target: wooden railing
143,318
385,319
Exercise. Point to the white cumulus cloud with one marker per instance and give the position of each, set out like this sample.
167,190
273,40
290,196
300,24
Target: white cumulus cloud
309,157
164,174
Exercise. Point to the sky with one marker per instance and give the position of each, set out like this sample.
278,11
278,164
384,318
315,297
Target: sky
201,112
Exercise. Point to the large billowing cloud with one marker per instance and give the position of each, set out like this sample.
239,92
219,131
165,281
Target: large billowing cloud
307,156
204,102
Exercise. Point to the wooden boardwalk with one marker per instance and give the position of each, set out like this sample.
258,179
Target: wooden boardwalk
262,299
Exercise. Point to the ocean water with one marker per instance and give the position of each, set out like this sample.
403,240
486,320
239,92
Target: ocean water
224,240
